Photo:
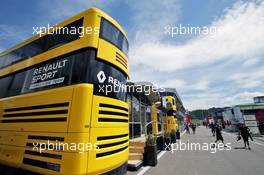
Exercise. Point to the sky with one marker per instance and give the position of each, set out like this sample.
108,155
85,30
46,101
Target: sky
220,68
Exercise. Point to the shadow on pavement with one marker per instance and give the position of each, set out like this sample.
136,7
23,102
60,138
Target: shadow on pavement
239,148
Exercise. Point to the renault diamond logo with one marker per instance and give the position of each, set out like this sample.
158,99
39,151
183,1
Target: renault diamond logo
101,76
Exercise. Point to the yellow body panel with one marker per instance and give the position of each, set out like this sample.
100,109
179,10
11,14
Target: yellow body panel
48,97
82,100
154,119
120,114
114,56
108,161
11,155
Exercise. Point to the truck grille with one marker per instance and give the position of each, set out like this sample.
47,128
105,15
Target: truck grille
109,113
112,143
41,113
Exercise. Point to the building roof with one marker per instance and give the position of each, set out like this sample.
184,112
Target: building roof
259,97
251,106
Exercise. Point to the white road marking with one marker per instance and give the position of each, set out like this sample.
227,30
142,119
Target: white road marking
161,154
258,143
146,168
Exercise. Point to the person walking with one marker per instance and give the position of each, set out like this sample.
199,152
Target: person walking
218,133
213,128
193,128
187,129
244,132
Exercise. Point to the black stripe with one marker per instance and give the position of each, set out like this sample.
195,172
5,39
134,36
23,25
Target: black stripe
120,56
46,146
55,156
113,106
52,138
121,63
111,137
113,113
37,107
110,152
121,59
36,113
42,164
36,120
112,144
112,120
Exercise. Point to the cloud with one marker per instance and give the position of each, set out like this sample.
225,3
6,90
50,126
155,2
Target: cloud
249,79
241,36
251,62
203,68
151,16
179,84
246,97
203,85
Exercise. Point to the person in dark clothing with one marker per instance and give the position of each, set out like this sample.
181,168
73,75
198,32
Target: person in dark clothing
187,129
218,133
244,132
213,128
193,128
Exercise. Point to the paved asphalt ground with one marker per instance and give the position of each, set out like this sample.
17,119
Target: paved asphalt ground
237,161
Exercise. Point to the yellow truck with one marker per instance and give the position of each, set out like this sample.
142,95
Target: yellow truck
57,113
